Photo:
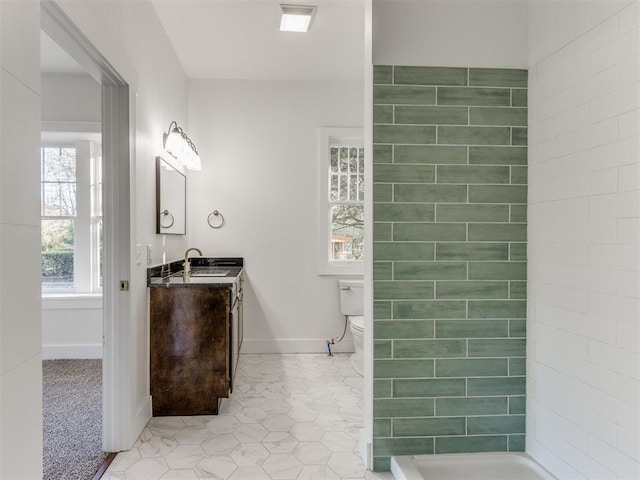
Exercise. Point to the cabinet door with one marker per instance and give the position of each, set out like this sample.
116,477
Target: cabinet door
189,349
234,342
236,331
240,319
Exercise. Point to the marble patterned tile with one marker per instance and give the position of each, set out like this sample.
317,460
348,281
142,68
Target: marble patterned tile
157,446
317,472
222,423
302,414
180,474
276,406
307,432
192,435
338,441
251,402
216,467
277,423
195,419
113,476
249,473
312,453
220,444
250,433
125,460
282,466
169,423
338,387
347,465
275,393
229,408
331,422
249,454
352,413
147,469
292,417
145,435
251,414
279,442
378,475
346,399
184,456
297,399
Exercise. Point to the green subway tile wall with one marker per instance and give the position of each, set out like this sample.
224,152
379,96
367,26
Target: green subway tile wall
450,233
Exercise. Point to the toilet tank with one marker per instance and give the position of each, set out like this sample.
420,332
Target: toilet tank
351,297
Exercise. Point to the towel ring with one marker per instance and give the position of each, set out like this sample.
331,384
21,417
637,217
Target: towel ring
216,213
171,219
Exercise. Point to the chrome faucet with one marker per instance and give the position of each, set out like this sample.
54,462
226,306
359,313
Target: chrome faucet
186,266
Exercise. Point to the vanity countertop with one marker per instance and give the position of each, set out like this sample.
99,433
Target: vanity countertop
204,271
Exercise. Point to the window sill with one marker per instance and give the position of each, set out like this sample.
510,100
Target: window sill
345,269
71,301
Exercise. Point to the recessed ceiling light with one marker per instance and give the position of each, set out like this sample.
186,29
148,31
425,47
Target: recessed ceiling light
296,18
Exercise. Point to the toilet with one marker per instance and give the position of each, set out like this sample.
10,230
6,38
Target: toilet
352,305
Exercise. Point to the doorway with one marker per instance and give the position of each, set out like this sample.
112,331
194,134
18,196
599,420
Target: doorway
72,279
115,235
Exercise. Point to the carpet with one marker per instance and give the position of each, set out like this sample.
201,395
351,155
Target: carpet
72,419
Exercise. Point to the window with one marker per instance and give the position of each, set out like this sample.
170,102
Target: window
71,212
341,201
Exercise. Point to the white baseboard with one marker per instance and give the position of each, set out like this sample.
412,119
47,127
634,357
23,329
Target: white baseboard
296,345
365,449
143,414
54,352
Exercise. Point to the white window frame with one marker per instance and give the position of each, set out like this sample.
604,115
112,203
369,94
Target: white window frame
328,136
86,256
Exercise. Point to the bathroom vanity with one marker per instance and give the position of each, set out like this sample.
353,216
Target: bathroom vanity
196,330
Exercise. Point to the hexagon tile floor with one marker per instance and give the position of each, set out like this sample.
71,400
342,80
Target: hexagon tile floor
290,417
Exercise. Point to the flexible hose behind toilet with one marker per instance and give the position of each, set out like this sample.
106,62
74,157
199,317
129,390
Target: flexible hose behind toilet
333,341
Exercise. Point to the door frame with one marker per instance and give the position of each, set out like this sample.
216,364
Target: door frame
117,362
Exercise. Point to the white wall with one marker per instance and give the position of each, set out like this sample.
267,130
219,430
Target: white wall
71,326
70,98
258,144
450,33
20,362
131,38
584,312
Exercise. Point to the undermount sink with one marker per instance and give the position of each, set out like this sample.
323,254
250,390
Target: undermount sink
209,272
203,272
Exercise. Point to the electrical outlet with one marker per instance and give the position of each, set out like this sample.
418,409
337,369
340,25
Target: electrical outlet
149,255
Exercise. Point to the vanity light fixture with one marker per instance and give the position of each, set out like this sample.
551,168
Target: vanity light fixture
180,146
296,18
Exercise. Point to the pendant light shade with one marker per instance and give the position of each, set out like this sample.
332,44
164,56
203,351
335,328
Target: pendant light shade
180,146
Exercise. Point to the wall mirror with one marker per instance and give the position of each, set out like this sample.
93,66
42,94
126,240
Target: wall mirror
171,199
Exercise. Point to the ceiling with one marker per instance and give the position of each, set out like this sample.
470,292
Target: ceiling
240,39
53,59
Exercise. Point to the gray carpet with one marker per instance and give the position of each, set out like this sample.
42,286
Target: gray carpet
72,419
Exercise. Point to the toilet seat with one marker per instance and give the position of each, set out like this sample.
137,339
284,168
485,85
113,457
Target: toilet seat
357,322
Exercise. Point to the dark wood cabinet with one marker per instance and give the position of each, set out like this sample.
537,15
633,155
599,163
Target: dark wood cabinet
195,334
236,333
192,354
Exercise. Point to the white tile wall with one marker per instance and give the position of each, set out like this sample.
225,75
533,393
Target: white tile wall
584,280
19,147
20,362
20,327
21,421
18,22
